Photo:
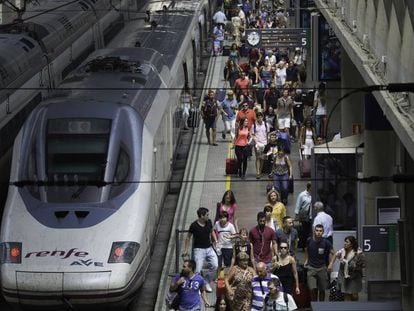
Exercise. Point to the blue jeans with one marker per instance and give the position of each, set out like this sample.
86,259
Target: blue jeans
205,254
281,183
320,125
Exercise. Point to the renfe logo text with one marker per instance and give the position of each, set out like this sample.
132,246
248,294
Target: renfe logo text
62,254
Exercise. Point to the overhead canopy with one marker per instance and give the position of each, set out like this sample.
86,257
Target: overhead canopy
346,145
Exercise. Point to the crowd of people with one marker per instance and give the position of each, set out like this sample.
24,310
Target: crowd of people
265,112
261,268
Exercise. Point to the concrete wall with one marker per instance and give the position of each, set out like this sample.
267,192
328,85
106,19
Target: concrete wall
378,40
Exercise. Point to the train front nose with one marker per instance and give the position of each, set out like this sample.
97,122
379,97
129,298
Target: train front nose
57,286
62,282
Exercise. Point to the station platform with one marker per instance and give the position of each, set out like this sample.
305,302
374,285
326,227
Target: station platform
205,182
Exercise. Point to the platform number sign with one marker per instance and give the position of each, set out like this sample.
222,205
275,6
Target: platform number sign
270,38
379,239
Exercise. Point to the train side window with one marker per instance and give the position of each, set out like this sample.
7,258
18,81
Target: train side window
121,174
32,174
122,167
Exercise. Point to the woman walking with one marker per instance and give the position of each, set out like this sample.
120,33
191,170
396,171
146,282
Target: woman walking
282,172
228,204
239,284
307,138
242,147
352,261
284,266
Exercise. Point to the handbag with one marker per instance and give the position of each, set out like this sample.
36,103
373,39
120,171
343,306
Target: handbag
173,300
303,215
335,293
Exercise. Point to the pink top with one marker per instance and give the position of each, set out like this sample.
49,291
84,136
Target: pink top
231,211
241,139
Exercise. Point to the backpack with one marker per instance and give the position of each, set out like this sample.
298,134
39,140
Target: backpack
209,109
285,298
265,124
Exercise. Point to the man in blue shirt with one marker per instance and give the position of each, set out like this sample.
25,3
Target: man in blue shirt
318,261
188,284
303,213
228,112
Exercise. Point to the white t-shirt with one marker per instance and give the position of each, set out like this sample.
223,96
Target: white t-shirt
326,221
223,234
320,109
219,17
279,304
260,132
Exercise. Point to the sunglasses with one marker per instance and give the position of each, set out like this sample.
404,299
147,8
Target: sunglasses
283,247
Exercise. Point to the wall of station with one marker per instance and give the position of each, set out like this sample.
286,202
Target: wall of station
377,38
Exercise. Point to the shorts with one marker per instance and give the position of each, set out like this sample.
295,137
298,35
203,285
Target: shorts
258,151
317,278
210,123
283,123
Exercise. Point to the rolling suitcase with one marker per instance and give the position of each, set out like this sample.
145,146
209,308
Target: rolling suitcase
302,300
194,118
231,165
304,166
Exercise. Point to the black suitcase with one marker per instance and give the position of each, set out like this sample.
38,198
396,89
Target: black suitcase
194,118
291,185
267,167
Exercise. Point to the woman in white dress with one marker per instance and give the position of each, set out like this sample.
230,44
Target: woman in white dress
307,138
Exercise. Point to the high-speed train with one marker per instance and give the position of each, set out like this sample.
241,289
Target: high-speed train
40,51
82,208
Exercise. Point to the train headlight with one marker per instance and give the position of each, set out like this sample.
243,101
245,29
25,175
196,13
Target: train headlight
11,252
123,252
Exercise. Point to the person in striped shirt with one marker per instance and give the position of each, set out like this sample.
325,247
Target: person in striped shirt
260,286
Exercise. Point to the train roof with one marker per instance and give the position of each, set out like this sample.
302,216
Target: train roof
169,27
119,75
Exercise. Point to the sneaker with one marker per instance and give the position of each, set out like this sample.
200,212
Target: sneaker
208,288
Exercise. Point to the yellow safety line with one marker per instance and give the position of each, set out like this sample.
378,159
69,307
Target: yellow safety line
228,177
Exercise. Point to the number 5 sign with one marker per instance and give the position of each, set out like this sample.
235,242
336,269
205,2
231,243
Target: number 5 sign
379,239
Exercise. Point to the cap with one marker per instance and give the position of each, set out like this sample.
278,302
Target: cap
230,92
297,49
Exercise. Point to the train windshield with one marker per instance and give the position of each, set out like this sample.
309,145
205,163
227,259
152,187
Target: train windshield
76,151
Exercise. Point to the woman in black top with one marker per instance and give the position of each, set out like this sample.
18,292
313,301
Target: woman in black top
284,266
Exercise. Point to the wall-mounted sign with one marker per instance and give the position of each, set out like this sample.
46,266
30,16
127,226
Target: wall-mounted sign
271,38
388,210
379,239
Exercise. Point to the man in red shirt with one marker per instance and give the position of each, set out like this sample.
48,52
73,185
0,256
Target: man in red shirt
242,85
247,113
263,239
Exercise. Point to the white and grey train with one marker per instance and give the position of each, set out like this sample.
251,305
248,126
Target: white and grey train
37,53
81,212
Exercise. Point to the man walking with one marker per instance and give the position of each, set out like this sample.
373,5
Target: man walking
323,219
303,214
263,239
202,232
189,284
289,234
260,286
209,112
318,253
